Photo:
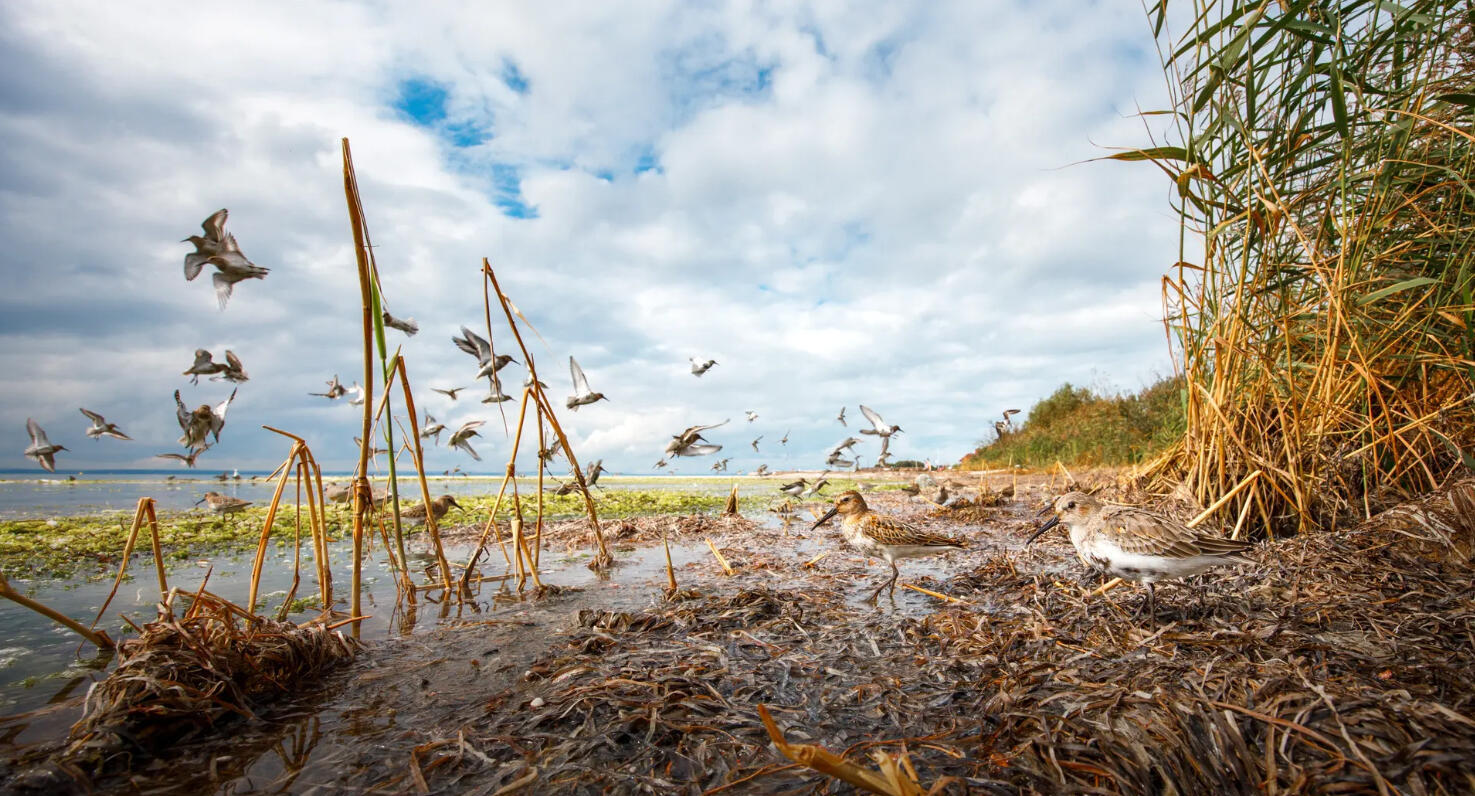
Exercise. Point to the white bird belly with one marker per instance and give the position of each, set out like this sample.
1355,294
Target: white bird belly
1119,563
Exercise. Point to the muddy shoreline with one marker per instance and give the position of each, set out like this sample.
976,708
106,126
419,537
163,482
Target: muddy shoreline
1336,662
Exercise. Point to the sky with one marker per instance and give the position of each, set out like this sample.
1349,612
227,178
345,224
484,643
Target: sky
882,203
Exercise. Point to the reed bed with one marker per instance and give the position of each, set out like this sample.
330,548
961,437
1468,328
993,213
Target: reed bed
1322,310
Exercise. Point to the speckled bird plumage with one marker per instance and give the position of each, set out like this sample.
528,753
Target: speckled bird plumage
883,536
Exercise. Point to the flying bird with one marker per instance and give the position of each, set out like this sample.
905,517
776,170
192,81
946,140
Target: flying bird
205,365
451,393
685,443
847,444
496,395
232,371
374,450
357,393
461,438
754,443
335,391
41,448
698,368
838,461
794,488
592,471
475,345
432,428
408,325
527,382
720,465
762,470
102,428
187,461
583,396
219,248
751,415
881,429
841,417
202,422
785,440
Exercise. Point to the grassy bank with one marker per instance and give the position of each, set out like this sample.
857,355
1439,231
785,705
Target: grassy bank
1078,426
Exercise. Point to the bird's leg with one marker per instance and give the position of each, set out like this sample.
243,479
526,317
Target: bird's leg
1151,603
876,593
895,573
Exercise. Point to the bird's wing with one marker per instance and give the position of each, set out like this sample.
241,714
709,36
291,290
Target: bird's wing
885,446
96,418
169,456
581,383
217,417
202,359
890,531
214,226
873,417
194,262
698,450
699,429
233,361
223,288
38,437
180,412
1138,531
469,425
479,347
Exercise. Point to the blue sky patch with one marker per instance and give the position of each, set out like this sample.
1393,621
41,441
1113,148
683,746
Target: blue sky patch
513,77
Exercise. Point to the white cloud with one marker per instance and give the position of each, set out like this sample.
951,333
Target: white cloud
839,205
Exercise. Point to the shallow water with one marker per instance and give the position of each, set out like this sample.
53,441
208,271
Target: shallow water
23,497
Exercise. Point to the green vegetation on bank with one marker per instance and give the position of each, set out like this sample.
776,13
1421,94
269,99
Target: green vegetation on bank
1078,426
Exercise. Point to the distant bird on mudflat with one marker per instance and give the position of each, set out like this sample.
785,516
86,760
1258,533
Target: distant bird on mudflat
751,415
479,347
102,428
219,248
880,427
201,422
754,443
794,488
461,438
583,396
335,391
1135,544
408,325
818,486
432,428
415,515
187,461
222,504
887,537
841,417
204,365
685,443
41,448
451,393
698,368
233,371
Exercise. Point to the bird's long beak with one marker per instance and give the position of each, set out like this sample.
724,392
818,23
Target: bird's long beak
198,502
822,520
1054,521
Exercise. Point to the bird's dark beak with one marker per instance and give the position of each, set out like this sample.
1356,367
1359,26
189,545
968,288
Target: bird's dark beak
198,502
1054,521
822,520
453,502
1044,510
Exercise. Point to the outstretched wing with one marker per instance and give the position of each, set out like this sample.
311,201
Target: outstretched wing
38,437
874,418
223,288
217,417
96,418
194,262
233,361
581,382
180,412
698,450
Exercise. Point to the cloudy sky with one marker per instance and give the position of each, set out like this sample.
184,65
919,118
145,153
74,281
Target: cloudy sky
839,204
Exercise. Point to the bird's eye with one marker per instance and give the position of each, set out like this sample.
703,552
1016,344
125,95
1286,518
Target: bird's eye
1071,505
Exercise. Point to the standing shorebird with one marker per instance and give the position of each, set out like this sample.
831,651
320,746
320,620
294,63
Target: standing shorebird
41,448
102,428
222,504
583,396
883,536
794,488
1135,544
415,515
698,368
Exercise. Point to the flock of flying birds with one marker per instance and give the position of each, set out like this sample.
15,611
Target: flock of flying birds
201,426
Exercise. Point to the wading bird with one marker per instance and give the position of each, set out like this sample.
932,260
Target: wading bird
887,537
1132,543
222,504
